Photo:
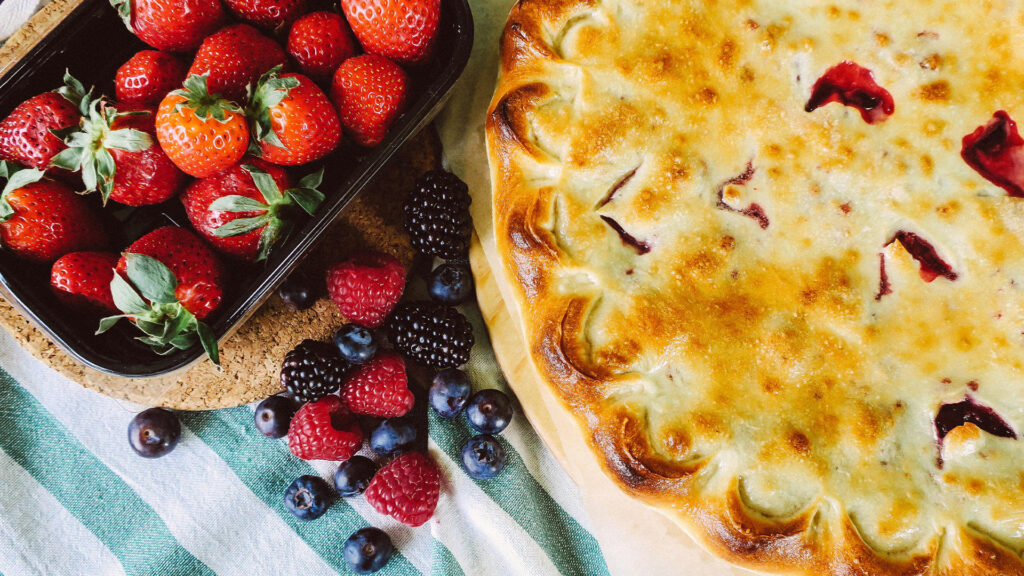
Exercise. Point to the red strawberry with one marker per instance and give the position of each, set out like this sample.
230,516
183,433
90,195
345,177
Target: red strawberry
267,14
324,430
370,92
243,211
402,30
320,42
366,287
44,220
407,489
147,77
379,388
202,134
234,58
81,280
139,174
168,281
171,25
292,119
26,135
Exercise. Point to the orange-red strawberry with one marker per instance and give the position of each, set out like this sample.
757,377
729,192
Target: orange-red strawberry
147,77
234,58
26,135
247,209
402,30
117,152
366,287
202,134
267,14
292,119
171,25
44,220
81,280
324,430
320,42
379,388
167,283
407,489
370,92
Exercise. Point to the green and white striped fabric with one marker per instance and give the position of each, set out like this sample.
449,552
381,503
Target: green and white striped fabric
75,499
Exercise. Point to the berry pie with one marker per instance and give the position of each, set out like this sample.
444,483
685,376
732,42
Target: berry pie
771,254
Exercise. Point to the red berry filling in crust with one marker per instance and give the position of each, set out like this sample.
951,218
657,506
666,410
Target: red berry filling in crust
754,211
967,410
995,151
852,85
932,265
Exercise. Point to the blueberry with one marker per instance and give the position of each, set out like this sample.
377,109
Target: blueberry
483,457
368,550
451,283
355,343
392,436
296,292
489,411
354,476
449,392
308,497
154,432
274,415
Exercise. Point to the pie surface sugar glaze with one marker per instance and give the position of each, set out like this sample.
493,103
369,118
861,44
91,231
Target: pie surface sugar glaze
771,253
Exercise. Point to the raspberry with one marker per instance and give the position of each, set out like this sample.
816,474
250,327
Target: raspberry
436,335
379,388
313,370
406,489
324,430
437,215
366,287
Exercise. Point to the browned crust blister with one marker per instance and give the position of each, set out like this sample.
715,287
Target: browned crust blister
822,539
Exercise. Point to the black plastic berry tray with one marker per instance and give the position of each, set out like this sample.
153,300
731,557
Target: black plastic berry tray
92,43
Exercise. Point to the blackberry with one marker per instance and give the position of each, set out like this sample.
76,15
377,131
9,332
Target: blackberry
437,215
313,370
432,334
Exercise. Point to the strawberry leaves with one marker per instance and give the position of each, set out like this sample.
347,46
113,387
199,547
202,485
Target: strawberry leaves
148,298
197,97
270,91
272,215
124,10
89,145
16,178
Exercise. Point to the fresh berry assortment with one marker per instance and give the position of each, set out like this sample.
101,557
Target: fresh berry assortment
324,430
274,415
367,550
355,343
432,334
483,457
451,283
437,215
489,411
449,392
313,370
366,287
154,432
407,489
308,497
379,388
393,436
353,476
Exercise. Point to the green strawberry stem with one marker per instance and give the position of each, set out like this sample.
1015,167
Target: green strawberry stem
147,297
204,105
16,177
74,91
270,91
124,10
90,143
276,225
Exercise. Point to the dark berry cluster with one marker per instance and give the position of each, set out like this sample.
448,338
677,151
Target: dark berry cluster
313,370
433,334
437,215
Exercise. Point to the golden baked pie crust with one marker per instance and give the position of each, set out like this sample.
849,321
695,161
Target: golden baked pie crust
746,374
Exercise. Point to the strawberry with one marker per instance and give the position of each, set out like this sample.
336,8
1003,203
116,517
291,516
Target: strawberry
370,92
243,212
44,220
407,489
269,15
147,77
292,119
81,280
320,42
26,135
379,388
234,58
366,287
200,133
167,283
402,30
324,430
171,25
118,154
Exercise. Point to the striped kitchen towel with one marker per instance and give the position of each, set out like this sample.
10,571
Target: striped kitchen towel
75,499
